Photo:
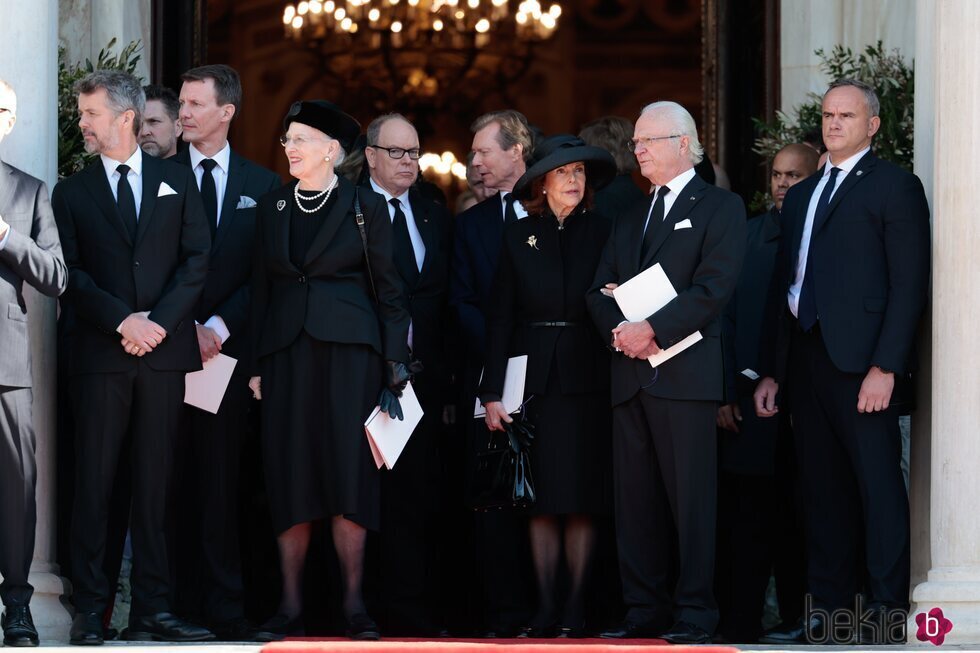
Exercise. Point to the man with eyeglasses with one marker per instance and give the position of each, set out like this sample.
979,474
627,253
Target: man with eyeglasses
421,249
664,441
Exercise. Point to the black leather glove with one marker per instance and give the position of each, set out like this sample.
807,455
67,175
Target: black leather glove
396,378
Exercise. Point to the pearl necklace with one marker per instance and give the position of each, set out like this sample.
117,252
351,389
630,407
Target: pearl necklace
325,192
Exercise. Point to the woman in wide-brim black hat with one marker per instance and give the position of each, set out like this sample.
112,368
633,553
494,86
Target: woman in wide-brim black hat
537,307
330,333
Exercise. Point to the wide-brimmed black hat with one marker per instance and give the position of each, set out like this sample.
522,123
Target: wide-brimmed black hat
560,150
327,117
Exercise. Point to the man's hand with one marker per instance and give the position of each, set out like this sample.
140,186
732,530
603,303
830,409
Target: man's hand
608,289
635,339
764,397
876,390
208,342
142,332
496,416
131,348
729,415
255,385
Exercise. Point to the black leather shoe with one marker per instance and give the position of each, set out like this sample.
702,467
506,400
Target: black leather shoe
795,633
240,630
572,632
633,630
165,627
538,632
86,629
684,632
18,627
362,627
280,626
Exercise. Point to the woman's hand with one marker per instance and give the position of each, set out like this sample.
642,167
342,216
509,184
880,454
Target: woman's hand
497,416
255,385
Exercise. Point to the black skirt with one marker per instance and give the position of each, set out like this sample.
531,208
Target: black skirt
316,396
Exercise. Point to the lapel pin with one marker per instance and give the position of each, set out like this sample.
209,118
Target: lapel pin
281,204
858,173
692,198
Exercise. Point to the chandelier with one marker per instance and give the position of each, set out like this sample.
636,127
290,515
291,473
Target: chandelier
420,51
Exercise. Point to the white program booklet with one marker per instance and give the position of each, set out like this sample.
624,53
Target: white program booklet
644,295
388,436
206,388
513,387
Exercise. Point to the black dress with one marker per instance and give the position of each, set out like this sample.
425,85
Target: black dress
544,272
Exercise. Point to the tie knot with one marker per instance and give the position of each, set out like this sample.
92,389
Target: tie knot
662,191
208,164
833,172
395,203
122,169
509,199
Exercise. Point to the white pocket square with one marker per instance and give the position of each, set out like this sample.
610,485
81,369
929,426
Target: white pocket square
165,190
245,202
683,224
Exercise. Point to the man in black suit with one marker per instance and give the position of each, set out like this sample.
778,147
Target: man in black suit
136,244
664,442
421,242
29,252
758,513
501,146
849,288
208,551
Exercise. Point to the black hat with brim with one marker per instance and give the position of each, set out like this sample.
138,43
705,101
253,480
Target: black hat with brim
557,151
327,117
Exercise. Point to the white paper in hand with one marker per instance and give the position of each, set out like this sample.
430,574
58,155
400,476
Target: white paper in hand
206,388
513,387
644,295
388,436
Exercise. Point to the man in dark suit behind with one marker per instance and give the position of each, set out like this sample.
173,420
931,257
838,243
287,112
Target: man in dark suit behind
207,539
664,442
847,294
29,252
421,243
135,240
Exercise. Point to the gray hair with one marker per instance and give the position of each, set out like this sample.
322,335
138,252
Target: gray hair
870,97
123,92
514,130
374,129
9,89
682,124
341,155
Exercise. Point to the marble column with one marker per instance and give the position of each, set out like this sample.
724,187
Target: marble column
29,52
953,580
87,26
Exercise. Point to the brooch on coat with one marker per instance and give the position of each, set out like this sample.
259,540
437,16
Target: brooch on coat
281,204
533,242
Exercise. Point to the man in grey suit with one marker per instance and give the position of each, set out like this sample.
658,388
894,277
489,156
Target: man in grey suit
29,251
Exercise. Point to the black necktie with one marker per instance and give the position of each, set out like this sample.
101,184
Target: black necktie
655,223
404,252
807,310
510,215
209,193
125,200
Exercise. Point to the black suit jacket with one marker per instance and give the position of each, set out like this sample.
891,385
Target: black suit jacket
870,265
31,254
110,276
227,289
330,294
702,263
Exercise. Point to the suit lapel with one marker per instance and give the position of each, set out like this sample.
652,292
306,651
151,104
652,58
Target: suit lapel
345,198
281,225
98,187
795,228
635,235
857,174
428,229
686,200
6,185
491,226
152,176
237,171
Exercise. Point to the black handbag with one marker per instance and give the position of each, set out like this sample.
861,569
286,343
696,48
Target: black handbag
503,470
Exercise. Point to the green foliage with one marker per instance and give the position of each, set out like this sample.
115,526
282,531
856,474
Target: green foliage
72,156
893,81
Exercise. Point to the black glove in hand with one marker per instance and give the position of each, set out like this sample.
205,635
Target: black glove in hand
396,377
388,401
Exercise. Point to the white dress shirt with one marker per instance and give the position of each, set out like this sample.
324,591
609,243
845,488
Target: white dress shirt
676,185
135,176
219,172
519,209
418,245
793,296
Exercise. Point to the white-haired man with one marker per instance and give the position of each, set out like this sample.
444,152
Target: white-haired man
664,443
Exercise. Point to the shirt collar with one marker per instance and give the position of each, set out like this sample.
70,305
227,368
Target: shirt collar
222,158
677,184
135,163
847,165
402,199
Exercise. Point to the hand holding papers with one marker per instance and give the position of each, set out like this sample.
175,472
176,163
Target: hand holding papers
388,436
205,389
644,295
513,387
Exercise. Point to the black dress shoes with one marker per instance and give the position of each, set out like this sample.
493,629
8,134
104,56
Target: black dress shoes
18,627
240,630
86,629
634,630
795,633
684,632
280,626
362,628
165,627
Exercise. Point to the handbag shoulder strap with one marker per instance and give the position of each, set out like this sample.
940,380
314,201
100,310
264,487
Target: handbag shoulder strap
359,219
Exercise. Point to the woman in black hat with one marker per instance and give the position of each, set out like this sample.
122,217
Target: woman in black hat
547,264
330,333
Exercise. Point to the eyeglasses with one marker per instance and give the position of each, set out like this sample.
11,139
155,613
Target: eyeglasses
298,141
399,152
647,141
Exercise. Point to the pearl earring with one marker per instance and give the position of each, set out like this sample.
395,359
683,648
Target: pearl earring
326,158
544,192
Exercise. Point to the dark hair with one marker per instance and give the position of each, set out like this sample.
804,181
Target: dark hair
227,84
538,203
514,130
611,134
166,96
123,92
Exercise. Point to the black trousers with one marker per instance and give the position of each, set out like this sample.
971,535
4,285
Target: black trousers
205,514
144,406
665,488
18,509
853,487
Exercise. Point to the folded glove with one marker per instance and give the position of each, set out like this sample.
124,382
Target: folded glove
396,378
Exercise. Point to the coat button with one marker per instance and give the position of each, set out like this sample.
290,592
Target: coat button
136,264
302,279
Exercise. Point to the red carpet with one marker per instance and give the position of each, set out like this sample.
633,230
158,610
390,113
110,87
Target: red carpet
340,645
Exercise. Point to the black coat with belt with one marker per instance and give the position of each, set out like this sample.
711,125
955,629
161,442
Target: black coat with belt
543,275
